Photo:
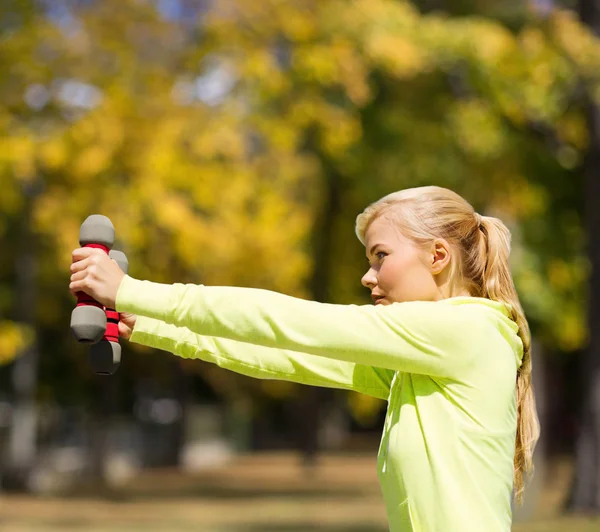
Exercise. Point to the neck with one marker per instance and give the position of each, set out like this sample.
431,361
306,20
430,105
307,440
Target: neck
446,289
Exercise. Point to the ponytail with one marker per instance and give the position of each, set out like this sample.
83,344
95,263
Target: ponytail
497,284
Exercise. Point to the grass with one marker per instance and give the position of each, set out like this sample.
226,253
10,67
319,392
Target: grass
258,493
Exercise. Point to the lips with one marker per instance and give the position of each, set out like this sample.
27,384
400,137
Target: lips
376,298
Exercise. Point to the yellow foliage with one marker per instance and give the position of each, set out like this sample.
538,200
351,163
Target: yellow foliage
90,162
573,331
315,63
261,64
304,111
492,43
532,41
11,198
353,72
300,26
171,212
478,129
560,274
21,152
522,199
53,153
578,41
14,338
283,135
397,54
572,129
340,130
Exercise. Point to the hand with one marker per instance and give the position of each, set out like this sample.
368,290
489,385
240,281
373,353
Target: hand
96,274
126,324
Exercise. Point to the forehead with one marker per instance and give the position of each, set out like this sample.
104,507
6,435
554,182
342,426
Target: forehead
382,230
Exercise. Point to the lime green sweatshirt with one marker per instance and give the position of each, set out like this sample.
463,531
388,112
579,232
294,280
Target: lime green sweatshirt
446,368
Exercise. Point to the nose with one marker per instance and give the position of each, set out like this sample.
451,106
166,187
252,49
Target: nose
369,279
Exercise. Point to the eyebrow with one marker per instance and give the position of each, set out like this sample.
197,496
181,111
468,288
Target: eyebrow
373,249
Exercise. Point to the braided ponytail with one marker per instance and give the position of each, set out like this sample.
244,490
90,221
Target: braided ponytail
497,284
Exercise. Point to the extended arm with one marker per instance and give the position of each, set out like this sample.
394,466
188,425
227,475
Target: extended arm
418,337
263,362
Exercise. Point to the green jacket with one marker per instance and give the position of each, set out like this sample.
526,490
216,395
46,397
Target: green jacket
447,369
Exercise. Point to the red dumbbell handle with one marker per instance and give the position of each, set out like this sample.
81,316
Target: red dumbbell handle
112,325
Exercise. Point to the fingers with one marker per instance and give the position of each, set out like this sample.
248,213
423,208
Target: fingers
80,265
81,285
78,271
83,276
124,331
78,276
82,253
85,257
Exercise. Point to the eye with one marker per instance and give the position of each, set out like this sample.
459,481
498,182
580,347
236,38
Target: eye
380,255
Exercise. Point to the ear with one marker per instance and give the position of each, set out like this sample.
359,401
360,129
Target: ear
440,256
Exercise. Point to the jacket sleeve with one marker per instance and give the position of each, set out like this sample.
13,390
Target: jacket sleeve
263,362
430,338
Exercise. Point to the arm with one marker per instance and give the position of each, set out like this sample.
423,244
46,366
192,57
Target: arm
263,362
430,338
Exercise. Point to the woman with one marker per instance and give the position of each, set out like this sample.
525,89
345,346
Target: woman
446,343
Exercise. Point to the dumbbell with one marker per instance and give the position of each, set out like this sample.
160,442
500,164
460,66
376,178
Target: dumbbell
105,356
88,319
89,322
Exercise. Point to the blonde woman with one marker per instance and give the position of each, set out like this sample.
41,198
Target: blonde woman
446,343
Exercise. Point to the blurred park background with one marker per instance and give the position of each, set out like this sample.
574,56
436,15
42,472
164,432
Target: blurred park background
233,142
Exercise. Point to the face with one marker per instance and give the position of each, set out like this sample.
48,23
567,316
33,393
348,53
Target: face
399,270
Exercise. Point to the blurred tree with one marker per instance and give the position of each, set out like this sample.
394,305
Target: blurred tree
400,99
23,435
23,191
149,139
585,495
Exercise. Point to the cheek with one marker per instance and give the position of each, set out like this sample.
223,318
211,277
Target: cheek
399,274
391,274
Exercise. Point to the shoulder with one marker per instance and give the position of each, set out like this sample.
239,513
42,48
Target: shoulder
437,313
442,322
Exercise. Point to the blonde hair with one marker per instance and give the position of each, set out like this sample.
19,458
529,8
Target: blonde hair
480,251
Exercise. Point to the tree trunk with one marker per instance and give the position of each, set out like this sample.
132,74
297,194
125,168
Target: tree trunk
585,495
308,406
103,409
177,431
23,431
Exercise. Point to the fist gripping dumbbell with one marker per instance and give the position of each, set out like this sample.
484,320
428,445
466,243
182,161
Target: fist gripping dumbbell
89,322
105,356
